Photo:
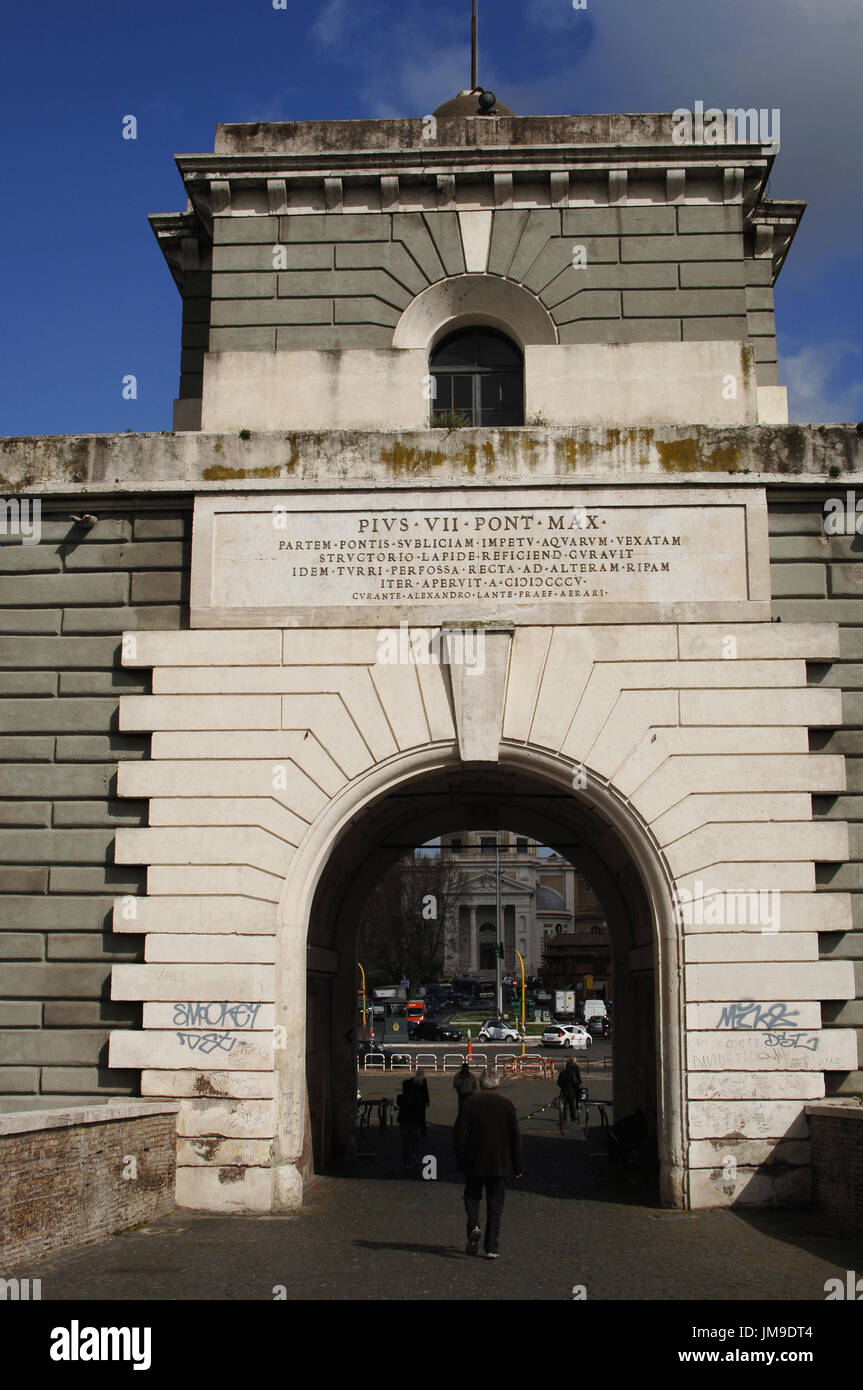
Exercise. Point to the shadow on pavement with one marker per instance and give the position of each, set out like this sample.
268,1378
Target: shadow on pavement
446,1252
808,1229
569,1166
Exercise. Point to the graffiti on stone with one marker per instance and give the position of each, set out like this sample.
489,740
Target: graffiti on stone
215,1015
792,1040
209,1042
746,1013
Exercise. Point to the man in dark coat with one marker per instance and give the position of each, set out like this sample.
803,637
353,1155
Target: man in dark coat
488,1149
569,1081
464,1085
412,1111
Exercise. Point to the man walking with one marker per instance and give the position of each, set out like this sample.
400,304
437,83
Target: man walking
464,1085
488,1149
569,1081
412,1110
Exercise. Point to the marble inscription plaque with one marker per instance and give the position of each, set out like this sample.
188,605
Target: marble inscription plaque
351,558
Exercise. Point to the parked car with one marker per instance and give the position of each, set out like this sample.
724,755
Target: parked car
497,1030
566,1035
429,1031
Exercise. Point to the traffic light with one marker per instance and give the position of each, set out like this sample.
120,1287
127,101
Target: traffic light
499,950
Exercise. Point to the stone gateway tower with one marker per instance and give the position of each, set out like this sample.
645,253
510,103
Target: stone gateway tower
481,508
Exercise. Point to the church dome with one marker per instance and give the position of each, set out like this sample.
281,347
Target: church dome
547,900
467,104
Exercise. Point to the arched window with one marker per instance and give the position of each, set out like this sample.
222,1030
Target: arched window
479,375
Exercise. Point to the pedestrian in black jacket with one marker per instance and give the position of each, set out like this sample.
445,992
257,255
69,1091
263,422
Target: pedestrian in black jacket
569,1081
423,1089
412,1112
465,1084
488,1149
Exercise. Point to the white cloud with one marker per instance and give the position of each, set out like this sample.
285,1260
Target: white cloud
814,392
398,65
560,17
420,84
329,29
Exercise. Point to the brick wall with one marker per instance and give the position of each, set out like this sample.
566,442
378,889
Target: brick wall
62,1177
837,1163
815,578
64,603
660,273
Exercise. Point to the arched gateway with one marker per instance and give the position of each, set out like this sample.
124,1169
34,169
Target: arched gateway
406,800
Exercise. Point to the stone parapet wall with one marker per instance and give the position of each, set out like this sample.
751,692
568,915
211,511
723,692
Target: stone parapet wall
168,464
70,1176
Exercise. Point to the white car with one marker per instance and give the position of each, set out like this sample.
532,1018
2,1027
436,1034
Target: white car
566,1035
496,1030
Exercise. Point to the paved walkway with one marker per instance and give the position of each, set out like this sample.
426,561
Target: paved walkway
370,1232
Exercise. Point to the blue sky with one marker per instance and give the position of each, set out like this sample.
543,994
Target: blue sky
87,298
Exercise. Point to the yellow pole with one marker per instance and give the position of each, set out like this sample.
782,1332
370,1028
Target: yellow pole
521,962
363,973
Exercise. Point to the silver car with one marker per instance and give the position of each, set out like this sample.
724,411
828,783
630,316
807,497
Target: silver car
496,1030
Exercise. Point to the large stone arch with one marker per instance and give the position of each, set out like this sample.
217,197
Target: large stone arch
420,794
461,300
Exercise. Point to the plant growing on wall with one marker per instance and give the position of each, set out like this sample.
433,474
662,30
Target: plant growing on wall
450,420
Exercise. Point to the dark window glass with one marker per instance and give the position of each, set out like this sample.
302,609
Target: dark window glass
458,350
487,845
462,392
490,392
482,380
494,350
510,391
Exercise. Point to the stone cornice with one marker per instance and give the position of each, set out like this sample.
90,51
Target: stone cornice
747,455
181,237
774,223
396,177
432,157
504,133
